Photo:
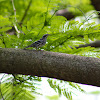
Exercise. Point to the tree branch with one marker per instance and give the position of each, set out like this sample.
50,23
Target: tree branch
79,69
95,44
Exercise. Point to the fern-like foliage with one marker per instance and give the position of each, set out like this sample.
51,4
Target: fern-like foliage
64,88
19,87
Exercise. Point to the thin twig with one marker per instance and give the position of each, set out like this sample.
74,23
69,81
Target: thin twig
91,15
81,11
45,18
40,30
14,10
26,11
58,45
15,18
47,9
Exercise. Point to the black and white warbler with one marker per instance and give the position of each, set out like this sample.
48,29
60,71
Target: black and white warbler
39,43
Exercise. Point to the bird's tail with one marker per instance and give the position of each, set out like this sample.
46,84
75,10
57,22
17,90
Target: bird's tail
27,47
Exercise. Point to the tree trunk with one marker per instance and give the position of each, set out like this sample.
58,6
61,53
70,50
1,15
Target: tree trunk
79,69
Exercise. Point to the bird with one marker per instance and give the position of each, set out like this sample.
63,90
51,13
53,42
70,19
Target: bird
39,43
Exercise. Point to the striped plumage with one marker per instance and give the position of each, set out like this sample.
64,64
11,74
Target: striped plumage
39,43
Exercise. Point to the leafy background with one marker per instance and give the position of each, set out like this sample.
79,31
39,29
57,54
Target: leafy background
24,21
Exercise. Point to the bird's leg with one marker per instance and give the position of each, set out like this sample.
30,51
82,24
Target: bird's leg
36,48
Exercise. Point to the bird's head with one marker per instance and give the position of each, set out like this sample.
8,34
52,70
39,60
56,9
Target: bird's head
45,35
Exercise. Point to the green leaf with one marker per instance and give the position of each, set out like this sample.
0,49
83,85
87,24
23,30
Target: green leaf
5,24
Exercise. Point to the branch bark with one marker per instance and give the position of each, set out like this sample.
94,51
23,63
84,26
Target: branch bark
79,69
95,44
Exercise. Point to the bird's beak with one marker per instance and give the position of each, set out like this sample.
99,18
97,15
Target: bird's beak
49,34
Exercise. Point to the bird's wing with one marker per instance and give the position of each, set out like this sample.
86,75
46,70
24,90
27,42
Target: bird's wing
38,43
